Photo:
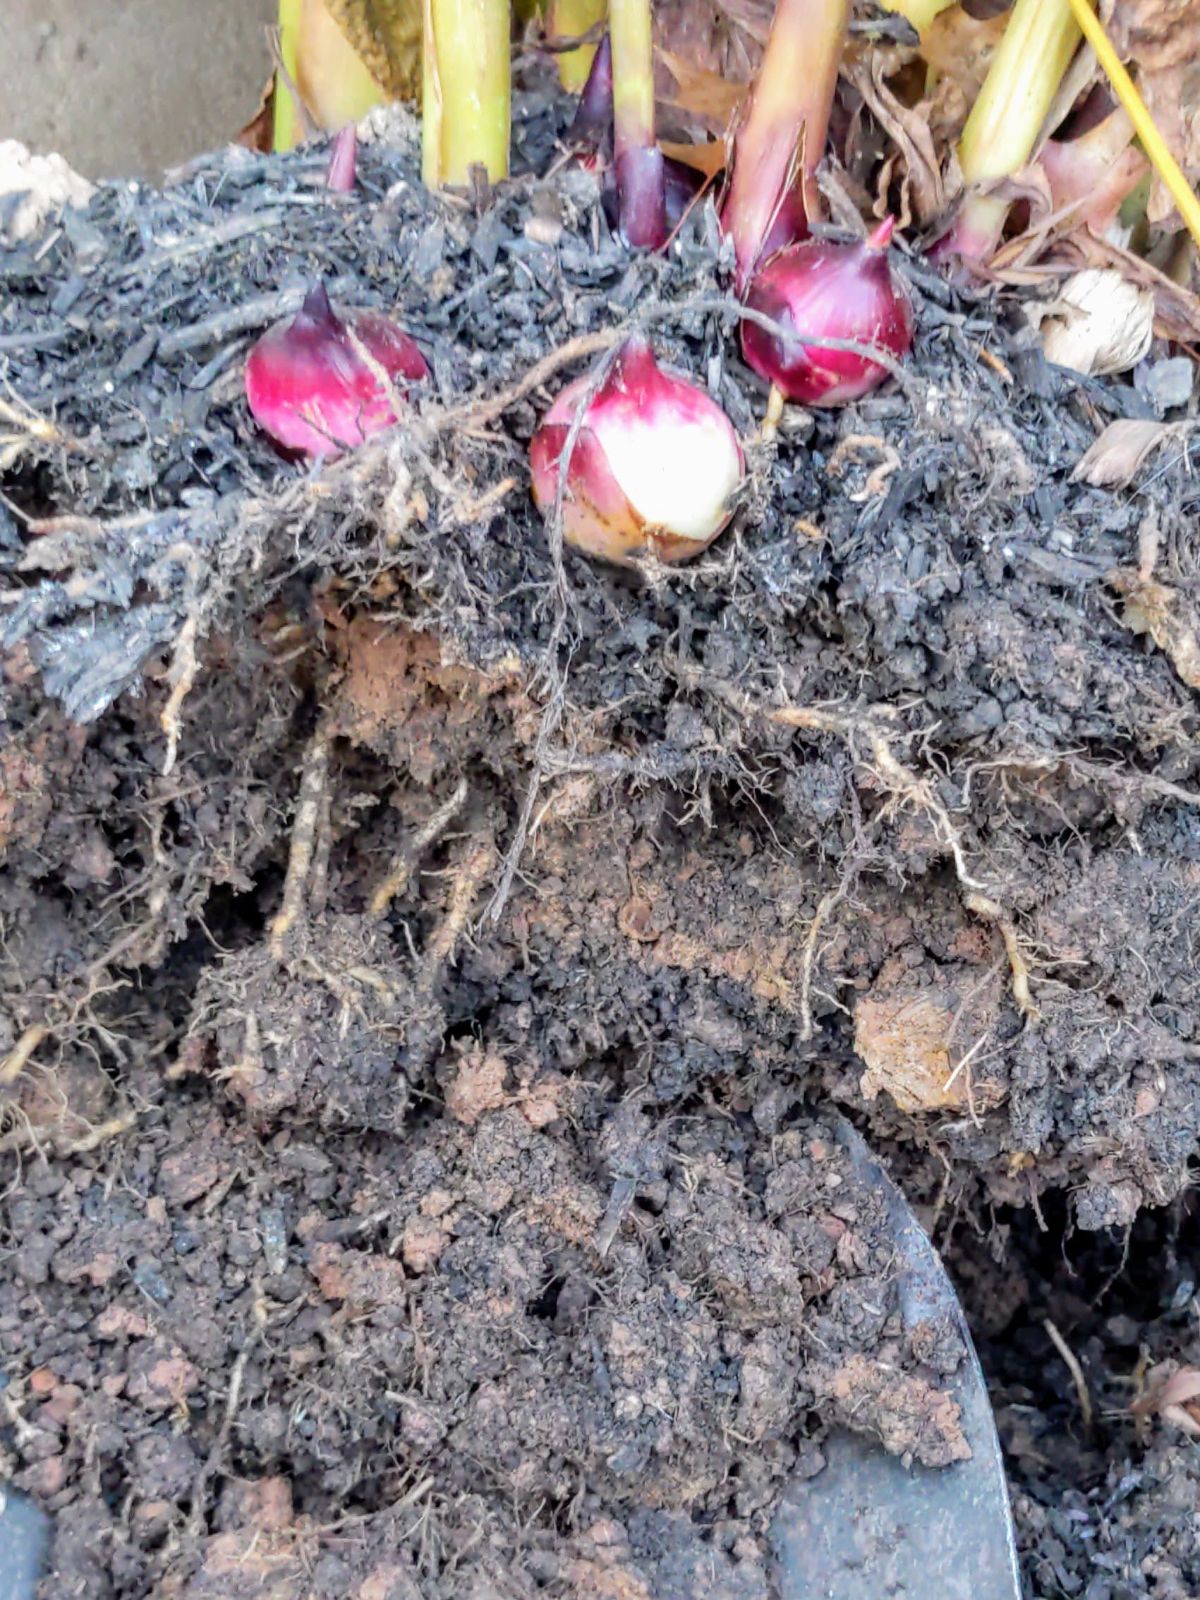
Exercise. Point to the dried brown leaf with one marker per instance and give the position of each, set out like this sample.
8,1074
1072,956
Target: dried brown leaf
724,38
1032,186
1171,1393
1173,100
258,133
750,19
705,95
1113,460
708,158
922,190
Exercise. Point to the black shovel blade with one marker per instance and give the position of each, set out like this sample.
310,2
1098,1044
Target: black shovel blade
866,1527
24,1535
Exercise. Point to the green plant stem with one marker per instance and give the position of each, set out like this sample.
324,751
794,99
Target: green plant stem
640,174
466,90
633,74
569,19
1000,135
285,131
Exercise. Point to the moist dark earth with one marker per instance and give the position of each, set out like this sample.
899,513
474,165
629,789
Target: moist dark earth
433,966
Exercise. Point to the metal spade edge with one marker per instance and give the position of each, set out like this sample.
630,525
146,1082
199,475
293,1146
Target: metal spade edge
866,1527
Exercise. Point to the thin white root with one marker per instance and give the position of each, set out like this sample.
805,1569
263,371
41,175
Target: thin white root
182,676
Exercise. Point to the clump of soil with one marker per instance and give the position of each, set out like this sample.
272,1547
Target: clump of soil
430,962
537,1311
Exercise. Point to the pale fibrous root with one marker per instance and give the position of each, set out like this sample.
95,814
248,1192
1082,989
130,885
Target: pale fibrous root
866,732
303,888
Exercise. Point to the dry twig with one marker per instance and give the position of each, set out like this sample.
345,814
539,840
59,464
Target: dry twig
397,879
314,779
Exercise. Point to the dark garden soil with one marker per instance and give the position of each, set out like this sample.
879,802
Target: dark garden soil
432,964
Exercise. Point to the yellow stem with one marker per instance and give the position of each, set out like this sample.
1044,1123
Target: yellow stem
773,415
466,90
1153,143
568,19
633,74
285,130
1039,40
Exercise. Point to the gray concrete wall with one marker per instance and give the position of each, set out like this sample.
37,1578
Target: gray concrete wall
124,87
